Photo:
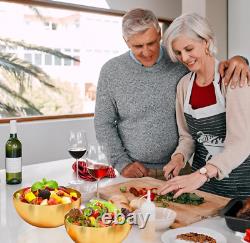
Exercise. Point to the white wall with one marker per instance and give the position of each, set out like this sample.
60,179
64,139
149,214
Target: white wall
216,13
197,6
169,9
45,140
239,30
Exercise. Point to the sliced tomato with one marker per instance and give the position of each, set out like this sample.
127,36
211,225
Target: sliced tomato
143,191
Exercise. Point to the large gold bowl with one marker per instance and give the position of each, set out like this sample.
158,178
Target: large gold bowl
44,216
110,234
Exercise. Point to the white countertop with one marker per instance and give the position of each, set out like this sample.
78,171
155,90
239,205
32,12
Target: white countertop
14,230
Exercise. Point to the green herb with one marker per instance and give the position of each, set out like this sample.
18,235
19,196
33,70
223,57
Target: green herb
39,185
123,189
51,184
185,198
87,212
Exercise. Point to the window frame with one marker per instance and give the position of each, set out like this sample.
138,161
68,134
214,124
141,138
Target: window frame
74,7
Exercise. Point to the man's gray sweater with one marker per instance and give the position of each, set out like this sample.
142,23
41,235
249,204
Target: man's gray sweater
135,110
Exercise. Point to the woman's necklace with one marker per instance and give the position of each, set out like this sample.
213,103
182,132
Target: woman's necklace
204,82
206,77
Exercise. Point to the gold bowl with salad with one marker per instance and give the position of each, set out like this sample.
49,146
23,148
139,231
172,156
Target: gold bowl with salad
87,225
45,203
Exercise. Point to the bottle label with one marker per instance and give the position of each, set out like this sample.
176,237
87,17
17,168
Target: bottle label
13,165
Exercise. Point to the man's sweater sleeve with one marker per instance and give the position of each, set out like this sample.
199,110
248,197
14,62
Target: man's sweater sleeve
237,142
106,118
186,143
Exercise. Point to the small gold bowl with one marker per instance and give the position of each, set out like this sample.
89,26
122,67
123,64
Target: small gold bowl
110,234
44,216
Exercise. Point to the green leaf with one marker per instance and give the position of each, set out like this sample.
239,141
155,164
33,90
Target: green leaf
37,185
51,184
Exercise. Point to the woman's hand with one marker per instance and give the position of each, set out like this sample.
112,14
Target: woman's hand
182,184
174,166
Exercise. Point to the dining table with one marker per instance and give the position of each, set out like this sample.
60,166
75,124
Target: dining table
15,230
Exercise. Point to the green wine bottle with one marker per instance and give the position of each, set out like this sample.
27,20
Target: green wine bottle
13,161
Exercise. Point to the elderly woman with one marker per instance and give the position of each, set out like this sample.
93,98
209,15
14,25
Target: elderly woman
213,121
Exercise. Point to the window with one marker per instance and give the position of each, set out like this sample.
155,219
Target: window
38,59
28,57
48,59
64,50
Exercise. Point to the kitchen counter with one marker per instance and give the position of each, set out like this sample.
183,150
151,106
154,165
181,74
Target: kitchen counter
14,230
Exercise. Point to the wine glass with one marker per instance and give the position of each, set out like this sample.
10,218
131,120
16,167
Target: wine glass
97,163
77,148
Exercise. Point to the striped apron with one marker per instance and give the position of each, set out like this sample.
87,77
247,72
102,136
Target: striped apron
207,126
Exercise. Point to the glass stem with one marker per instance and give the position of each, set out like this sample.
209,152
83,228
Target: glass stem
97,189
77,177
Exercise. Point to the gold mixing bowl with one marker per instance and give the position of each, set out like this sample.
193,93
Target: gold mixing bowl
110,234
44,216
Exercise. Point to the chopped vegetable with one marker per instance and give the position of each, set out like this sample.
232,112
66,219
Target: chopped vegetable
91,216
123,189
185,198
29,196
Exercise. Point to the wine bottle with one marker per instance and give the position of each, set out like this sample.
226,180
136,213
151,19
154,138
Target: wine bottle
13,161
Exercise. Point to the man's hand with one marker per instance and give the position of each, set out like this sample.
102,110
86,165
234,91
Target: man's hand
174,166
135,169
235,71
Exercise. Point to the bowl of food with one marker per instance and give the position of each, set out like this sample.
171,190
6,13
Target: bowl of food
237,214
99,221
45,204
164,217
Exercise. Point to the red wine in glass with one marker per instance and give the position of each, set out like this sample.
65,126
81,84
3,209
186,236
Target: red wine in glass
77,147
97,163
98,171
77,153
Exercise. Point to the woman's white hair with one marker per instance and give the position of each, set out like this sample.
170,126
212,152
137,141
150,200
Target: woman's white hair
193,26
137,21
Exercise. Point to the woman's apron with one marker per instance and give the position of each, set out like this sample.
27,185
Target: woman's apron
207,126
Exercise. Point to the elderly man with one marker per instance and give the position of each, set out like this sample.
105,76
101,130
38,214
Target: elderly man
135,105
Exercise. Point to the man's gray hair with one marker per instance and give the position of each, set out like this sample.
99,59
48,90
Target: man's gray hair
193,26
137,21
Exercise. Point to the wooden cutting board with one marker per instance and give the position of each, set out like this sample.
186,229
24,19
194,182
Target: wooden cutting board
186,214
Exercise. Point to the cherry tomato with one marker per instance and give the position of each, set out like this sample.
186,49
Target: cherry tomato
95,214
247,238
152,196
